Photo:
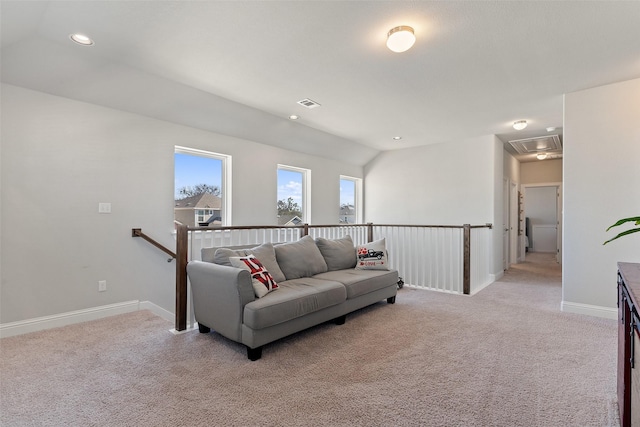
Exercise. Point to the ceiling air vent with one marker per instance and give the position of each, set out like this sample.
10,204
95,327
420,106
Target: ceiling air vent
537,144
309,103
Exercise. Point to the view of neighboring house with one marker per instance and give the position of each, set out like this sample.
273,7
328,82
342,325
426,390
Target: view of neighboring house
289,220
200,210
347,214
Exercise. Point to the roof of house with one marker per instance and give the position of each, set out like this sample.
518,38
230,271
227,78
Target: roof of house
289,220
200,201
347,210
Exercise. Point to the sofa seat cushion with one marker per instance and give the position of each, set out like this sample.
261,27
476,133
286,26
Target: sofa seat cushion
360,282
293,299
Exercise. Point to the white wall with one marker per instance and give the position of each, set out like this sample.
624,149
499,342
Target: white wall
442,184
60,158
511,167
541,172
601,185
540,205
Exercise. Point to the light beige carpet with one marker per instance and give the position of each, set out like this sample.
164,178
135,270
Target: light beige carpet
504,357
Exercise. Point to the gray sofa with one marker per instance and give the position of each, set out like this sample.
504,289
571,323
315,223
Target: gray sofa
316,283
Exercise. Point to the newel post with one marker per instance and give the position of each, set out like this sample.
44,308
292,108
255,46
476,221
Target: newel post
369,232
182,249
305,230
466,263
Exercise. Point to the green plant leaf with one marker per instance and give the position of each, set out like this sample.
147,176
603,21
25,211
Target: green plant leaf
624,233
635,219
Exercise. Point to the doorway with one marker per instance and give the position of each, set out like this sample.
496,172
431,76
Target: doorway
510,226
542,211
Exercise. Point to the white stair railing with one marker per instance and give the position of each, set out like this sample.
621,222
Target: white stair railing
454,259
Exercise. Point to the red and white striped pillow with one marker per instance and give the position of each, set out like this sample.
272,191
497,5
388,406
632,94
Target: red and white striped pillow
261,280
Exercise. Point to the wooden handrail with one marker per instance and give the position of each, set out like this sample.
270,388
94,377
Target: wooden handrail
308,226
137,232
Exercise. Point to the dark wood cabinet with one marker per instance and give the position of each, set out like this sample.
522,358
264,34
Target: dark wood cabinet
629,344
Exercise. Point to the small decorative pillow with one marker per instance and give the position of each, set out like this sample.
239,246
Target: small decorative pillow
261,280
372,256
267,255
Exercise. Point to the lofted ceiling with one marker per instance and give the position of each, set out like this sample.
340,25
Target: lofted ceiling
240,67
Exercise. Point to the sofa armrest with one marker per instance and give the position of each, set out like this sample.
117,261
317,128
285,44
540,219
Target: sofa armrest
219,296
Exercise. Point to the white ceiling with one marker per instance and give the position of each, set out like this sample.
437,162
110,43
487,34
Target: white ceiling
239,67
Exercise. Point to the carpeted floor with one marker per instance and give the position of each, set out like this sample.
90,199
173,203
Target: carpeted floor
504,357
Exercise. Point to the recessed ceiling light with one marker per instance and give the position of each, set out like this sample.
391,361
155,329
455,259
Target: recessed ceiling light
81,39
293,117
550,129
397,138
520,124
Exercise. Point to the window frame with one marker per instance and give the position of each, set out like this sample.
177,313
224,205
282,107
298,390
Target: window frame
225,172
306,189
357,197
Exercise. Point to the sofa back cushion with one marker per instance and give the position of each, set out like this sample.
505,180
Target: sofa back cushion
300,259
221,256
339,254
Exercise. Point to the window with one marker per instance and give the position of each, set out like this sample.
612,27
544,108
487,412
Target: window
201,191
350,190
293,202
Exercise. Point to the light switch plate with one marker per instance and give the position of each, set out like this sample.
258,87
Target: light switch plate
104,208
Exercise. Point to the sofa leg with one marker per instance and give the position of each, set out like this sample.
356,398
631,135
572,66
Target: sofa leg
203,329
391,300
254,353
340,320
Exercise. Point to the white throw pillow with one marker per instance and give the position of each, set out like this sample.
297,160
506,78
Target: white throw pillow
261,280
372,256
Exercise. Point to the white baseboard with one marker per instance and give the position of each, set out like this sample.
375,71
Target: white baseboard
79,316
64,319
495,277
481,287
589,310
157,310
492,278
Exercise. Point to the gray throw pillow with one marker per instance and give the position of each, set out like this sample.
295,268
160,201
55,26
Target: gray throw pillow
221,256
339,254
300,259
267,256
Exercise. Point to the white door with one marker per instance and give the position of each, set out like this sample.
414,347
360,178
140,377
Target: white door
559,224
542,210
505,224
513,224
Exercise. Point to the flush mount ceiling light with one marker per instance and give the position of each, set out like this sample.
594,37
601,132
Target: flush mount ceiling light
400,39
81,39
520,124
550,129
293,117
397,138
541,156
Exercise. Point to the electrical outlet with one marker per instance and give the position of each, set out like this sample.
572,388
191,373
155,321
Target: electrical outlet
102,285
